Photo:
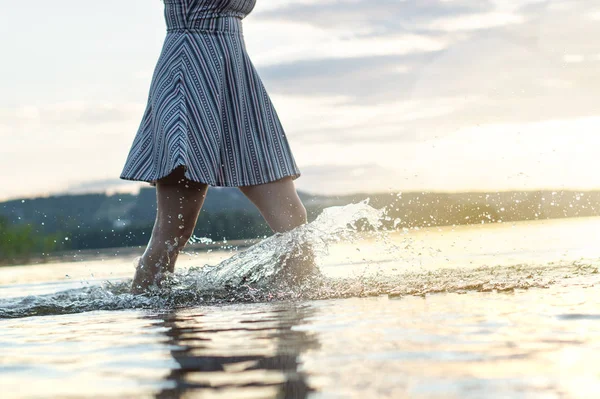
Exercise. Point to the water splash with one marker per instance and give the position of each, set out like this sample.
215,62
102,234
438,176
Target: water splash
255,274
262,265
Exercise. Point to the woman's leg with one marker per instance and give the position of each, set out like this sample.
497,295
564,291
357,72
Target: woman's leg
279,204
179,201
283,210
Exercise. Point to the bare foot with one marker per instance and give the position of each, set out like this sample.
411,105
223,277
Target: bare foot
299,265
145,277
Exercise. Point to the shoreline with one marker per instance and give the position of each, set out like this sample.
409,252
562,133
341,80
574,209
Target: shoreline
93,254
72,256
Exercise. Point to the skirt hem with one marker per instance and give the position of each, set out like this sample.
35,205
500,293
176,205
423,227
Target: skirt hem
152,181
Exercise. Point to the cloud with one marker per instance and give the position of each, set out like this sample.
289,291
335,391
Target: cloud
110,186
510,67
366,17
314,121
475,22
487,157
66,115
340,179
56,145
384,84
366,80
301,41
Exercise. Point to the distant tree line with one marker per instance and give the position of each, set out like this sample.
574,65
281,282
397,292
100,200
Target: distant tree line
218,226
93,221
19,242
411,210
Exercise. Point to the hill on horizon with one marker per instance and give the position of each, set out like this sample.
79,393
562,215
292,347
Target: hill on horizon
94,221
52,213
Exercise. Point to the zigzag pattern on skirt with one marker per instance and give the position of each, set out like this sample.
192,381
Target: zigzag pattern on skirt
208,109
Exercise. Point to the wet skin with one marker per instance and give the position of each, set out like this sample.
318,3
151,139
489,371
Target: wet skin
179,201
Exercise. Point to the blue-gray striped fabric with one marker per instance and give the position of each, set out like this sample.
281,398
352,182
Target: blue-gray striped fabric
208,109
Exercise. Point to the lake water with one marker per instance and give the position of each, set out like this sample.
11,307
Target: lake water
487,311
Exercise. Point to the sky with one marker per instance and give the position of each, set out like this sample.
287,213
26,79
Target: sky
374,95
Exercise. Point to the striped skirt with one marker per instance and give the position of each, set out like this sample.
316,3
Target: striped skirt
208,111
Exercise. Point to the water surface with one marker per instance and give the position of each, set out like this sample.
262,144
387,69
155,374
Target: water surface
494,311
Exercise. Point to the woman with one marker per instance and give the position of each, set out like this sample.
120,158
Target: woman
209,122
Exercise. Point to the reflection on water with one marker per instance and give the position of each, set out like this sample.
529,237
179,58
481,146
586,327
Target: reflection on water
255,351
503,311
523,344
